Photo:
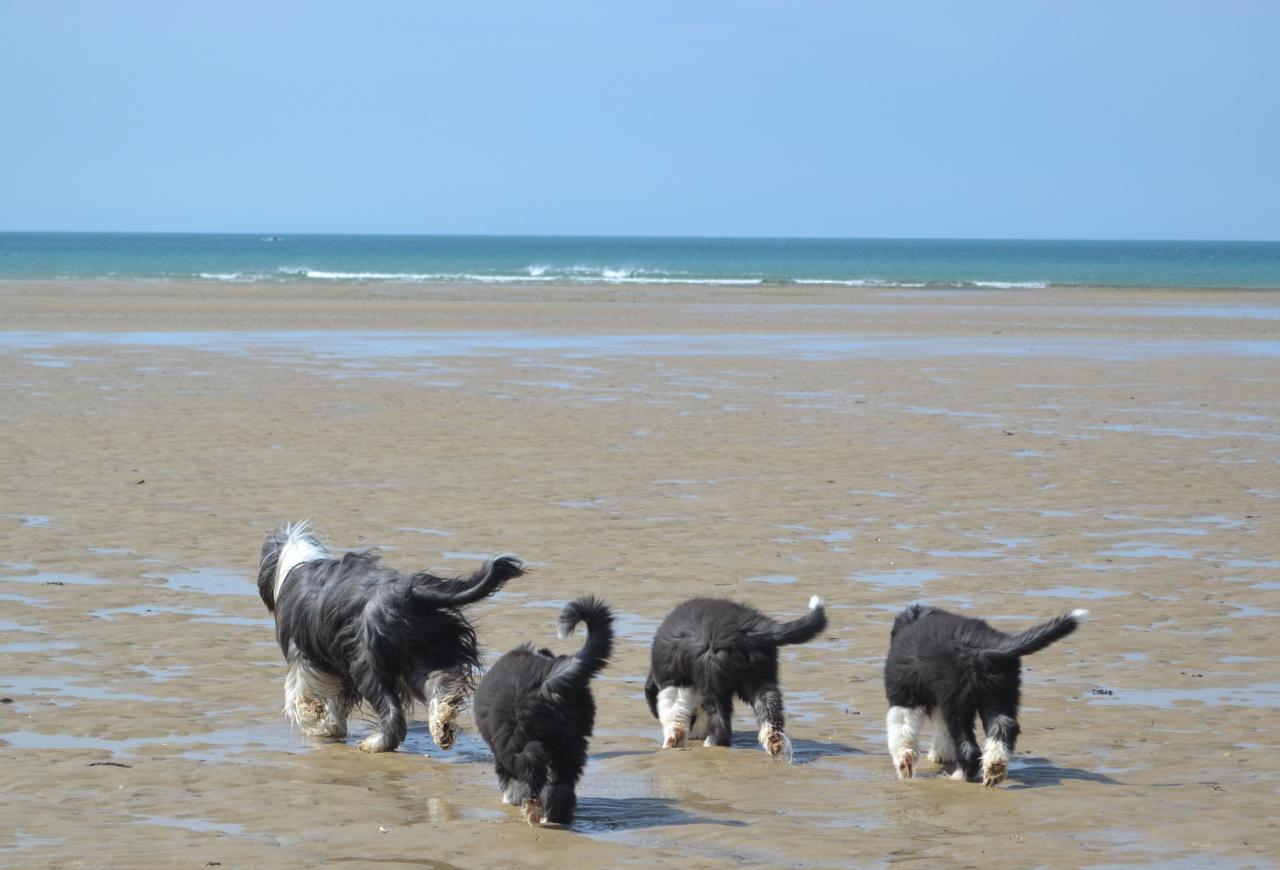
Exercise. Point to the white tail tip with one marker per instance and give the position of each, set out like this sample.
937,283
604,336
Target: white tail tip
1080,615
815,602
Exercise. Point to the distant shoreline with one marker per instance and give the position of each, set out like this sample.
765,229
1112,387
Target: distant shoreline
457,285
794,264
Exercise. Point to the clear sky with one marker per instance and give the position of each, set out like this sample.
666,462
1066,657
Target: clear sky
1072,119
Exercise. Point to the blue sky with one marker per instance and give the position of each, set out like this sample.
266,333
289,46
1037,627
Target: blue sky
1021,119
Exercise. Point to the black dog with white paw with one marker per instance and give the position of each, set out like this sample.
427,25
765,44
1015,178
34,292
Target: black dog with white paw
951,668
536,711
707,651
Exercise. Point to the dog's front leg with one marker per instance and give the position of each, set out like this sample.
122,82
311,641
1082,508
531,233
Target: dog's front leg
315,702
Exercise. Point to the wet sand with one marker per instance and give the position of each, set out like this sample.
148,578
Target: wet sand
1012,455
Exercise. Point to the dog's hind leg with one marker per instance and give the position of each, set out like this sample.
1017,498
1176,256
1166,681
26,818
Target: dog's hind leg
676,705
719,714
391,723
903,725
446,693
766,701
514,792
560,800
942,751
1002,736
699,723
968,757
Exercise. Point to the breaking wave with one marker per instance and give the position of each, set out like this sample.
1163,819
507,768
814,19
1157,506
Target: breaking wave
582,274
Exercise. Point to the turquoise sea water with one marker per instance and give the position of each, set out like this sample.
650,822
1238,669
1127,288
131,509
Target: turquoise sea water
560,259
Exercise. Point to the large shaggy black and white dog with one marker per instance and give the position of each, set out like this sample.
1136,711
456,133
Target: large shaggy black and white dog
536,711
709,650
951,668
353,630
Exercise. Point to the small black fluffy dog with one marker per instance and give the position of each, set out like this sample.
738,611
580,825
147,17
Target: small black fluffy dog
352,630
707,651
536,711
949,668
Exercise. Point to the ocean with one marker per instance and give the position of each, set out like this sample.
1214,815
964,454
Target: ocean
909,263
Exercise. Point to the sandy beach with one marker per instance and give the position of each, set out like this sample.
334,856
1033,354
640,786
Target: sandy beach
1012,455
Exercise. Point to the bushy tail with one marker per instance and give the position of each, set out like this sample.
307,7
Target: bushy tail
804,629
1036,639
459,591
594,655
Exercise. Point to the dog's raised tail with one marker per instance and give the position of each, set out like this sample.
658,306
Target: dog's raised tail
1039,637
460,591
804,629
594,655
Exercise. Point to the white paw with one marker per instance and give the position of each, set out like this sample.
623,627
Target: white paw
995,762
532,811
444,723
776,743
905,763
373,743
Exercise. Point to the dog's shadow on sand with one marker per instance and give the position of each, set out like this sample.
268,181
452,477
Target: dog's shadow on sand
1033,772
605,815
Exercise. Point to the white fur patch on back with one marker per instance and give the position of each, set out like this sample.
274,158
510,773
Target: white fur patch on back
298,547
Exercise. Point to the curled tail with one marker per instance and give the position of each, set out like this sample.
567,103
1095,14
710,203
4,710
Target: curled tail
804,629
594,655
1036,639
457,591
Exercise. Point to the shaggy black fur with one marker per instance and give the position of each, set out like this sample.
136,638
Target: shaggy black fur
719,649
377,635
536,711
955,667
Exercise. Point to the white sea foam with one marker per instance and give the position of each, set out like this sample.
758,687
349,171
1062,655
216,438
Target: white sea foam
530,274
232,277
1011,285
857,282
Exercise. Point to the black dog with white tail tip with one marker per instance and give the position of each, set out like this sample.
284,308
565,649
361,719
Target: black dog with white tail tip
536,711
352,630
951,668
707,651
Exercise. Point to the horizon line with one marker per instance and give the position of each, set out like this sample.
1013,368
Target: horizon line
690,237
